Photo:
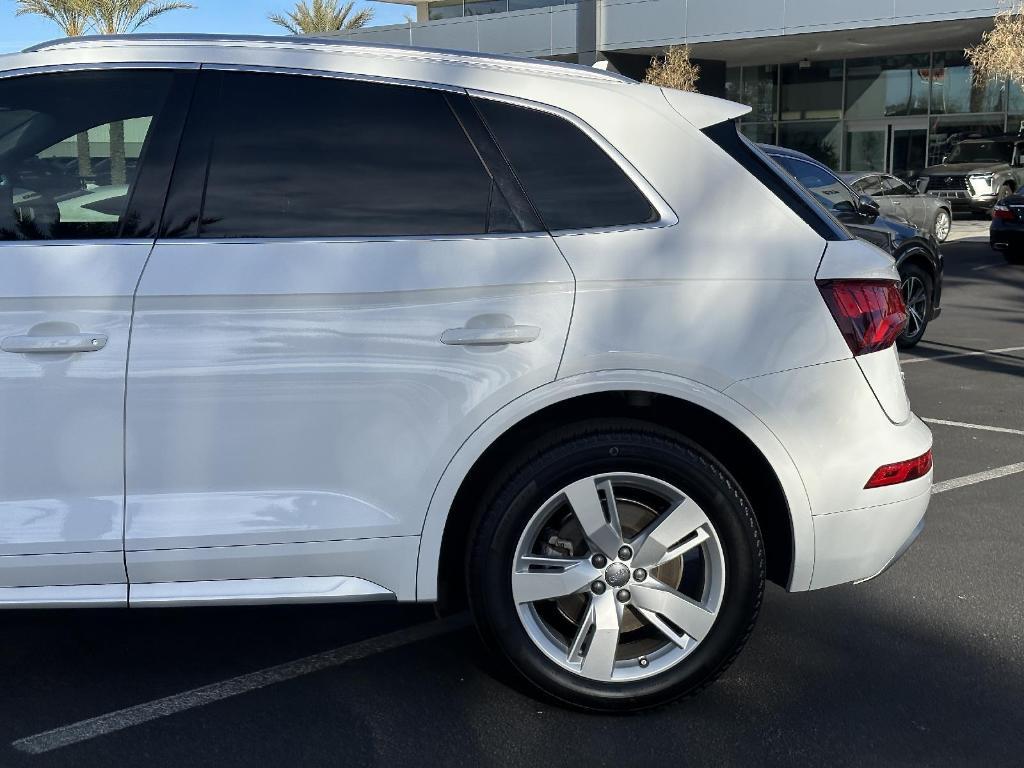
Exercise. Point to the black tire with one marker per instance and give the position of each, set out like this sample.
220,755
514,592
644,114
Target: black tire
579,451
915,328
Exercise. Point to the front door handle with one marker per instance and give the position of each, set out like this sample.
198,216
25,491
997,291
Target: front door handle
55,345
481,337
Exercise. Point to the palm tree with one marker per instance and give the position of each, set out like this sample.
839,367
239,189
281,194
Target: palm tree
73,22
118,17
322,16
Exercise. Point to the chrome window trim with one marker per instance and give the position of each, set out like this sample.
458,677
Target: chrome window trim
348,240
73,243
666,216
97,66
271,69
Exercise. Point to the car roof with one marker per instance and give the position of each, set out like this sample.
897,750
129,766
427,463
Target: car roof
851,177
302,42
979,139
564,85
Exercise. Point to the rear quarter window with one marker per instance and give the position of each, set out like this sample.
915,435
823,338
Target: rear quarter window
572,182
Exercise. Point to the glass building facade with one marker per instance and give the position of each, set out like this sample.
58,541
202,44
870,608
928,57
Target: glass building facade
456,9
890,113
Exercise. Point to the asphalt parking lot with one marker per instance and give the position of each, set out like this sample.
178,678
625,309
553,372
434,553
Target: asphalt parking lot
923,666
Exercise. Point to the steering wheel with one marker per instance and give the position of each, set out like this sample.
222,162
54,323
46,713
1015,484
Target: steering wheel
31,219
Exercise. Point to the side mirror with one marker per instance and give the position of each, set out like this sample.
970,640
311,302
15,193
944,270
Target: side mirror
868,205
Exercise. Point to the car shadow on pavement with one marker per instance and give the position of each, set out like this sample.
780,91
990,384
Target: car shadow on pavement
849,676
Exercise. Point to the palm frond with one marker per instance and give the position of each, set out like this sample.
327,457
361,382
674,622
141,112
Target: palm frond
66,14
322,16
117,17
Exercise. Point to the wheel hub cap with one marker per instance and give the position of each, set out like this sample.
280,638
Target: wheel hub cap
617,575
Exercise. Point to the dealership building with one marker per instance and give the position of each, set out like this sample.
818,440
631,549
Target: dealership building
860,84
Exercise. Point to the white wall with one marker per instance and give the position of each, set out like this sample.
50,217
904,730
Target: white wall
536,32
645,23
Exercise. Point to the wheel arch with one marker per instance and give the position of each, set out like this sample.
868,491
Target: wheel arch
916,253
742,442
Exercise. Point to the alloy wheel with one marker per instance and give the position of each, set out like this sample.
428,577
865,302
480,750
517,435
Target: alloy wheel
618,577
942,226
915,296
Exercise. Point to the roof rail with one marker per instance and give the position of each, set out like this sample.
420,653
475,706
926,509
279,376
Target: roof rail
321,42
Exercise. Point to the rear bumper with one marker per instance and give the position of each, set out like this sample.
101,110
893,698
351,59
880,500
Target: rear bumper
1006,238
860,544
837,433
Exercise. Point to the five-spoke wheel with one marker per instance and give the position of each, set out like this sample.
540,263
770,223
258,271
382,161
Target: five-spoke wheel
618,576
616,565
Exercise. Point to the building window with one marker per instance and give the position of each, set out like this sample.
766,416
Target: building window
524,5
761,91
445,9
484,7
818,138
954,90
733,84
887,86
759,133
812,92
948,131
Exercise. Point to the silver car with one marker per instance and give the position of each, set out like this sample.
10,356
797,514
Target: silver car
898,199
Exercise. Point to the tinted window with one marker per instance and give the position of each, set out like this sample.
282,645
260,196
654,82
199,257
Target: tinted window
70,151
869,185
297,156
825,187
572,182
894,186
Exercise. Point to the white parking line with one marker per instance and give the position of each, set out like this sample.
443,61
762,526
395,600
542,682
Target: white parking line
908,361
965,425
988,266
199,697
979,477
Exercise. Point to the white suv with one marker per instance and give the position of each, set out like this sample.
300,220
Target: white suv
291,320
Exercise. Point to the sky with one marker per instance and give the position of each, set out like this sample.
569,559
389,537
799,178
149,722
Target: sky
231,16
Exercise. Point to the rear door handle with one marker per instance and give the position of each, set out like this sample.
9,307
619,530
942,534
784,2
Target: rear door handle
481,337
55,345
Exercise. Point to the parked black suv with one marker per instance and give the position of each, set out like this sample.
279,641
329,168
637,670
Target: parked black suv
977,173
916,251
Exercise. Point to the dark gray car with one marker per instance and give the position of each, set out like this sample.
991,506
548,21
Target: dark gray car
897,199
977,173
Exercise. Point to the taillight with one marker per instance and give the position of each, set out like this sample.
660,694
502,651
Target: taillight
901,472
870,313
1003,213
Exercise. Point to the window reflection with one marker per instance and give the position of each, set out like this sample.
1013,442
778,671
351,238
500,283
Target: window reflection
760,91
812,92
954,90
484,7
887,86
948,131
761,133
445,9
819,139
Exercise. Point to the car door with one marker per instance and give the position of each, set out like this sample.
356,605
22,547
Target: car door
84,166
344,291
903,201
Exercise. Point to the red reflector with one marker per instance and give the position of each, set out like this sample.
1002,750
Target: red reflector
901,472
870,313
1003,213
